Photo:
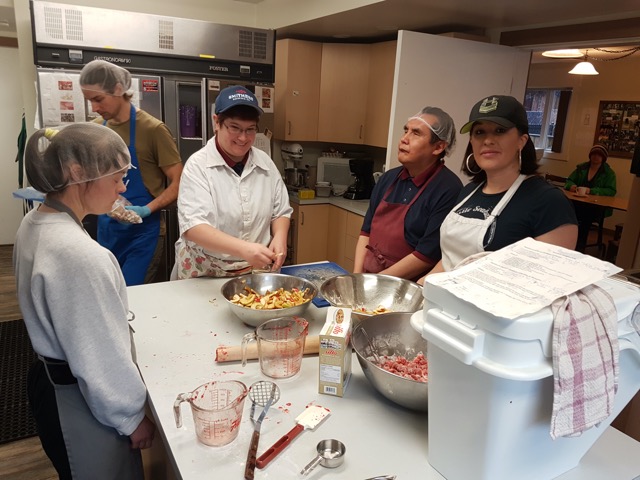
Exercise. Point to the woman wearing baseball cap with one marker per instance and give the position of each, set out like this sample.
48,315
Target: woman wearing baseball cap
599,179
505,201
233,206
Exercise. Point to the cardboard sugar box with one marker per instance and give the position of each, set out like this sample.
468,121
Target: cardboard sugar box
335,352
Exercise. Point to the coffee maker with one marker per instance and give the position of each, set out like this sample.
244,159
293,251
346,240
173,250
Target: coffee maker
362,170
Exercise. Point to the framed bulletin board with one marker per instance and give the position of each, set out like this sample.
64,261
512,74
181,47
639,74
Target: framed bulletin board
618,127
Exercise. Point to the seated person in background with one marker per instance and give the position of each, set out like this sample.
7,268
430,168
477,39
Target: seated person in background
599,179
233,206
401,231
506,201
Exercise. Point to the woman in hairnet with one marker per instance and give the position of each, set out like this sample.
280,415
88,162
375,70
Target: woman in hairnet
401,231
85,390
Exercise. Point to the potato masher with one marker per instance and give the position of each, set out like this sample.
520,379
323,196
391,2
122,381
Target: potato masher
265,394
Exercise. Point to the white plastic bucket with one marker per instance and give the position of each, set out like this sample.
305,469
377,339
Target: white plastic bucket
491,395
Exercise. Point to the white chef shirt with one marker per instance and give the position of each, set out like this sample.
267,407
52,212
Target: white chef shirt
241,206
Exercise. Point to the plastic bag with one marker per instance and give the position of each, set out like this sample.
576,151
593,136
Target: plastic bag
121,214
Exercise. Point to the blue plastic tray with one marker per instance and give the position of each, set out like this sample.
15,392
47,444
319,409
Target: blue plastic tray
316,273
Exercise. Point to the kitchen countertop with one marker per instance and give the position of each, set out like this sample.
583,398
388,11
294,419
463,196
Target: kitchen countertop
178,326
359,207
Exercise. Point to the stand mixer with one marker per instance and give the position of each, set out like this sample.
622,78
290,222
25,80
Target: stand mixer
362,170
294,177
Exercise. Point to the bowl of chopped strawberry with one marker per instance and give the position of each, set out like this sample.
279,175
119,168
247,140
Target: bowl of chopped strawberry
393,357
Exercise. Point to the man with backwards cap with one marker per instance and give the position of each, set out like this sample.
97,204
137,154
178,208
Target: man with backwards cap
152,183
400,235
599,179
233,207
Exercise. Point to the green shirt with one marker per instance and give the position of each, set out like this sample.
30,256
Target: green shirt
603,183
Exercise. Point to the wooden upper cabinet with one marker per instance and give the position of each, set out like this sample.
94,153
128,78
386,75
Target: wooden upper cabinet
333,92
297,90
344,84
381,68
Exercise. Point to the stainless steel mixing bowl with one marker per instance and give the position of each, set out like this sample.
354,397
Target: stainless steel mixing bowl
261,282
391,334
371,290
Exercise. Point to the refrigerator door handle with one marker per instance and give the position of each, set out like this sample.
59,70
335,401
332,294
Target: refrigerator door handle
204,112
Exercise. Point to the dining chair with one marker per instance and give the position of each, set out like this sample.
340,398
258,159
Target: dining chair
556,180
599,243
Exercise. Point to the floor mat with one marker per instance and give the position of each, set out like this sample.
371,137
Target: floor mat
16,356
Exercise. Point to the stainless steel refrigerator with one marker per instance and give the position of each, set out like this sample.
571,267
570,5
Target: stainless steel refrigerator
188,106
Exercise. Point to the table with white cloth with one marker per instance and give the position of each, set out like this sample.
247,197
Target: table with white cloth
178,326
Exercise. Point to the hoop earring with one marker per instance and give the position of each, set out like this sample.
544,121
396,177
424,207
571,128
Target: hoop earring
520,160
466,164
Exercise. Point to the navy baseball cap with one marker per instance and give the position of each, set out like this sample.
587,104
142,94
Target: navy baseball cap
504,110
234,96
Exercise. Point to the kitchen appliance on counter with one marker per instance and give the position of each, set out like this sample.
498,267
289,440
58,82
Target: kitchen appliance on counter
336,171
295,177
362,186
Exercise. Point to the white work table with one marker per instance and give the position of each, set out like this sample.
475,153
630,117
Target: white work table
178,326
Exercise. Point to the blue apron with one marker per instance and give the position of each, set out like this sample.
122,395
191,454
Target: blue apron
134,244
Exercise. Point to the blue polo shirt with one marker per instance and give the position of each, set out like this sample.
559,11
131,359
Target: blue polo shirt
423,220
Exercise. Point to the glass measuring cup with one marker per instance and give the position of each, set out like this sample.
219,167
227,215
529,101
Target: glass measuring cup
280,346
217,411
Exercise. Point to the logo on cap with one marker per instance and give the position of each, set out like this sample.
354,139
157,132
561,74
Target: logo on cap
241,94
488,105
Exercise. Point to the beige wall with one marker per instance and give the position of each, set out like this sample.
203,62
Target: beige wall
617,81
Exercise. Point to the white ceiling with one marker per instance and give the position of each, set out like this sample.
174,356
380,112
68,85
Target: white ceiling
488,18
466,16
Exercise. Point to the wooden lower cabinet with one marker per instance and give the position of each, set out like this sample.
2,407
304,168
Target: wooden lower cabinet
354,225
336,237
324,232
344,229
310,225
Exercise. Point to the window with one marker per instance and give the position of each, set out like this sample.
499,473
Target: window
547,114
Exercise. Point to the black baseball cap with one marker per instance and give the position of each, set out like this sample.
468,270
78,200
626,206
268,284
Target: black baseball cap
504,110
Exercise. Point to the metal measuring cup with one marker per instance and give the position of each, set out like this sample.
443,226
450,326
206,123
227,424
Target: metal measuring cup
330,455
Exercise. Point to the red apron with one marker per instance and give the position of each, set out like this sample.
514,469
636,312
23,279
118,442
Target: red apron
387,244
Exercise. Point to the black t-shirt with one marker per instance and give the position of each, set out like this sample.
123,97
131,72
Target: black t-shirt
535,209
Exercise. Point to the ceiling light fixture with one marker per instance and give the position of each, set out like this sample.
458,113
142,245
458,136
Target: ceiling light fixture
567,53
584,68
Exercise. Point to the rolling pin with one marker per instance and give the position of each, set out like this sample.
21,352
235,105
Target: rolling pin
232,353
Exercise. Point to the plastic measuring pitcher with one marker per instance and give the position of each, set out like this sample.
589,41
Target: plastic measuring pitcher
280,346
217,411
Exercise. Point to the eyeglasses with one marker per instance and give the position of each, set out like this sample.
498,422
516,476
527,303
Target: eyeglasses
236,130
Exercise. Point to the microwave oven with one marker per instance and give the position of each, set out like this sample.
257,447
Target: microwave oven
337,171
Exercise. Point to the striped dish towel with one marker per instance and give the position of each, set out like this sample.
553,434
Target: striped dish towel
585,361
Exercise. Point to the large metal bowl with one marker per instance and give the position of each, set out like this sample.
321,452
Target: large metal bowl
368,291
391,334
261,282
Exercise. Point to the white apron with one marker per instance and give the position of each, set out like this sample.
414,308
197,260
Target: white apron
461,237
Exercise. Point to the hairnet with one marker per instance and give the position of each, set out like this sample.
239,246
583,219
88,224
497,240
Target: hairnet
110,78
79,153
443,127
